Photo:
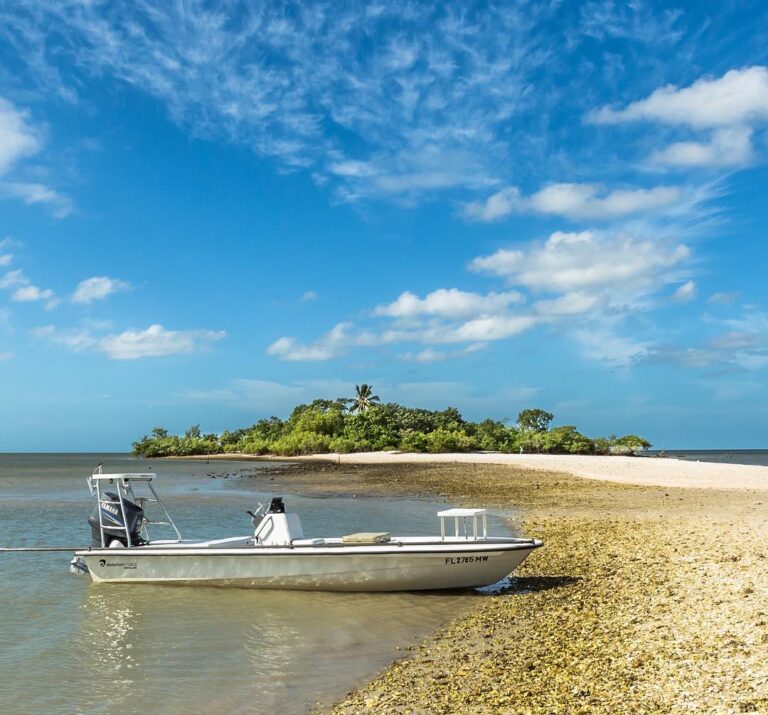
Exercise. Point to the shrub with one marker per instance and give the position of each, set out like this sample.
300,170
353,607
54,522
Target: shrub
297,443
253,445
325,425
413,441
566,439
442,440
629,444
343,445
492,436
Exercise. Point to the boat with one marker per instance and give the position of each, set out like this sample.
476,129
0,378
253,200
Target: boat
277,555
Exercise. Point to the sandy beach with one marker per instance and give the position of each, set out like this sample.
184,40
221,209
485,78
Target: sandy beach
645,599
644,471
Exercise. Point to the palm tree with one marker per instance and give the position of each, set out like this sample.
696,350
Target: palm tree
363,399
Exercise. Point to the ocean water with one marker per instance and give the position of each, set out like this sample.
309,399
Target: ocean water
724,456
67,645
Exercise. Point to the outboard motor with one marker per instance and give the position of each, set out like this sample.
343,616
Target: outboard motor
276,506
112,519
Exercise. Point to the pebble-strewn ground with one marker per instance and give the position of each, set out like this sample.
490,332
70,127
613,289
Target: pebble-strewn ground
644,600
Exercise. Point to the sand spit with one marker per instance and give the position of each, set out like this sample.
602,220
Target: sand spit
644,599
645,471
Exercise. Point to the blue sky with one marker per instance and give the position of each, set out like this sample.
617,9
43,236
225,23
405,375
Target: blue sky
211,211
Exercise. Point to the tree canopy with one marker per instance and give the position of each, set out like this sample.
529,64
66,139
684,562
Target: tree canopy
364,398
534,420
369,425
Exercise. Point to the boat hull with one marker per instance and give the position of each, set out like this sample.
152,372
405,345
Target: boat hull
320,570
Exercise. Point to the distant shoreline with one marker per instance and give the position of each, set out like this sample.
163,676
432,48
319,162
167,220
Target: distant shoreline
640,471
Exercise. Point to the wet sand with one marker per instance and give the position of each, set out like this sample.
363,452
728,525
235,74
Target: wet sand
644,599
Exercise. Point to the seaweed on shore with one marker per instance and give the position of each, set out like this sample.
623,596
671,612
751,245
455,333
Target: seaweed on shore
644,600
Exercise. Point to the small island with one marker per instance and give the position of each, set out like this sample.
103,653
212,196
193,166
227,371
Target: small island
364,424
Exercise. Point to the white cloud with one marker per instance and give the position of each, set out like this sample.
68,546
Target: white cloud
588,286
35,193
576,303
575,201
309,296
420,90
631,21
5,356
738,97
496,206
97,288
17,137
13,279
326,347
430,355
686,292
336,341
345,336
352,168
30,294
492,327
724,298
6,259
448,303
23,291
728,107
606,345
287,348
726,147
155,341
741,344
19,140
568,262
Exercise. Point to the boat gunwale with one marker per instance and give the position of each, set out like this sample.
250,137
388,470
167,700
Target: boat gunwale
321,550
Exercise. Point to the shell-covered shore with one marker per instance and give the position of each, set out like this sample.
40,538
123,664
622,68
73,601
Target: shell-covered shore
644,600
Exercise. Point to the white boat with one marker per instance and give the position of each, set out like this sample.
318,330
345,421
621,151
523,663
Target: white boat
277,555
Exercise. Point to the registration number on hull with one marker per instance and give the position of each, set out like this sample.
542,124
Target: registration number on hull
454,560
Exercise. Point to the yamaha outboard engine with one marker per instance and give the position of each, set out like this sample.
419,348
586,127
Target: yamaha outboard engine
276,506
112,519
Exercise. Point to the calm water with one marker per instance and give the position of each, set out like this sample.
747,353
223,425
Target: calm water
67,645
728,456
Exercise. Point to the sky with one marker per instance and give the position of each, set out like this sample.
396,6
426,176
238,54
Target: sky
213,211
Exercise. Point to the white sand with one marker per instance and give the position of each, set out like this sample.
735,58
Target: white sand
649,471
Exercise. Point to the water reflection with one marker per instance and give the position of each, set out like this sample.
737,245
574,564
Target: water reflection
231,649
110,631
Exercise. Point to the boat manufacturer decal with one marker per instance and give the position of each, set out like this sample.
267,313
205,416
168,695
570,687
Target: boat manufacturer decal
128,565
453,560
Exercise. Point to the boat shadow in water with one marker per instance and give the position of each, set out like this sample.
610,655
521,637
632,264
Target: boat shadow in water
512,585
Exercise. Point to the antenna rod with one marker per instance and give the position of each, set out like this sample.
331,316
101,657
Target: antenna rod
9,549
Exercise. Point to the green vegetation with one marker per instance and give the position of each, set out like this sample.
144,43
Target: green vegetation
363,424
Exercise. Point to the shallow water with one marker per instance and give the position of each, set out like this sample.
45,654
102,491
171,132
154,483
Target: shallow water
67,645
723,456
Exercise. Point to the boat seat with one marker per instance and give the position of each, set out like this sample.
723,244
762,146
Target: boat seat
366,537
